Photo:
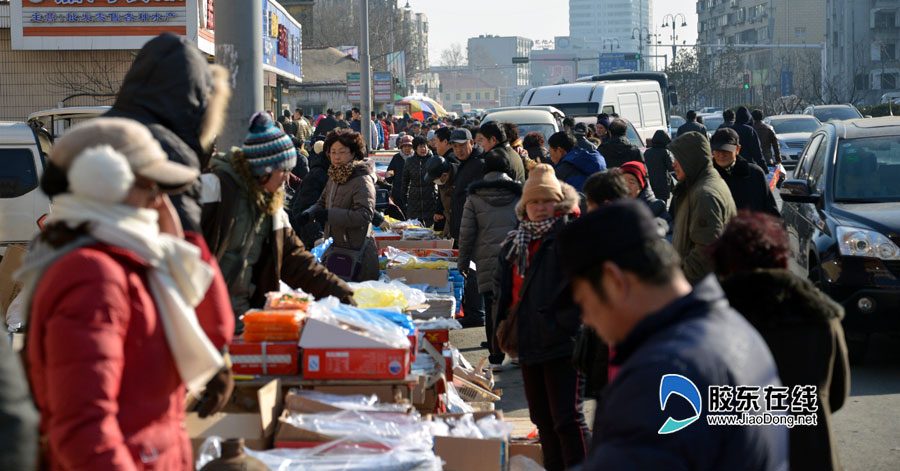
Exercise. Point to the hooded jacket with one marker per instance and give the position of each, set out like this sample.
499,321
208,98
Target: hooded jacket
488,216
548,317
748,186
617,150
351,206
469,171
514,160
802,327
307,195
283,256
659,165
749,140
578,165
701,338
703,205
420,196
172,90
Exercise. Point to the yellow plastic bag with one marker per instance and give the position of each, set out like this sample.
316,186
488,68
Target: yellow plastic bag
367,298
434,265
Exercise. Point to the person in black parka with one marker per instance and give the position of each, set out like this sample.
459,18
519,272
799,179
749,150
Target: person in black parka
420,196
746,181
658,160
751,150
308,194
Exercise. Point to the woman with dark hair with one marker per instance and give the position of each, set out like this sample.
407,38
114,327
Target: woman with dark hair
801,325
419,194
346,208
534,144
247,229
512,135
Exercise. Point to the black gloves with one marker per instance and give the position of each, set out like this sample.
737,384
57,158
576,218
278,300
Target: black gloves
218,391
314,213
321,216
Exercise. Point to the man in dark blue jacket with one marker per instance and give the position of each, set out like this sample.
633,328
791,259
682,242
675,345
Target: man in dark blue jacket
573,164
672,342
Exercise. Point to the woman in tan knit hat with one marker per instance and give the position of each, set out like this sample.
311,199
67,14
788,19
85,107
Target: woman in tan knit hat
537,319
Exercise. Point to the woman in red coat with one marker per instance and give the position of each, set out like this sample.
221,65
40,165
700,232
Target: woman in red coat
114,339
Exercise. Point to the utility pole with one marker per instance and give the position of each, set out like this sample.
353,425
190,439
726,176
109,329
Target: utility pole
365,76
674,19
239,49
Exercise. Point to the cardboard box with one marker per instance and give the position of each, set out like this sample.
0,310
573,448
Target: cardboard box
386,393
446,254
289,433
472,454
9,288
264,358
415,244
413,346
528,448
355,363
437,337
319,334
256,426
420,276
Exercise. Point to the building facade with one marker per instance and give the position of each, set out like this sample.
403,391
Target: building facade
599,25
465,86
490,58
863,48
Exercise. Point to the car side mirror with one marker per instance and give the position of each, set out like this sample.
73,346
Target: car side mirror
798,191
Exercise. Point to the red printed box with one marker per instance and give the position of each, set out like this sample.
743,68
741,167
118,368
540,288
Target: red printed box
437,337
355,363
413,346
264,358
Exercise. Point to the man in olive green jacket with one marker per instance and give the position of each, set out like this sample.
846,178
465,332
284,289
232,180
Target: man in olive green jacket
703,204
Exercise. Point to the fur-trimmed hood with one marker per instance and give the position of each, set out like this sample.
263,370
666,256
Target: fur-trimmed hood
568,205
365,166
497,189
772,297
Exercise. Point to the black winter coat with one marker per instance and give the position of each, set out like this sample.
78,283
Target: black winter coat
659,165
469,171
802,328
618,150
396,180
169,88
326,125
548,317
420,196
539,154
696,336
748,186
750,146
690,126
307,195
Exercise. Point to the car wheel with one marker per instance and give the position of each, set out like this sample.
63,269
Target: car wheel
857,347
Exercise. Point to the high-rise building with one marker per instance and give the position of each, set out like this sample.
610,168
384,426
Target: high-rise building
491,58
611,24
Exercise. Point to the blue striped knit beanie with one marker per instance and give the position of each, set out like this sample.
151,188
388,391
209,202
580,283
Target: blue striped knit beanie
267,148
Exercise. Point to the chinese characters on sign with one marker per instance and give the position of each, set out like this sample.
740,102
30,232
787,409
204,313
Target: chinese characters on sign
281,40
103,17
762,405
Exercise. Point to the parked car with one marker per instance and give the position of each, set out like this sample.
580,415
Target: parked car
833,112
639,101
23,157
543,119
842,212
793,131
674,123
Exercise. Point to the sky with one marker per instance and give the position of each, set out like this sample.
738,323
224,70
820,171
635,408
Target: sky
455,21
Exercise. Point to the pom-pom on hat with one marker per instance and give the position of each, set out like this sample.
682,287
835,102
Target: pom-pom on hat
267,148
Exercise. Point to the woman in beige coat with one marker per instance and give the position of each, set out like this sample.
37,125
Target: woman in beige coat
346,208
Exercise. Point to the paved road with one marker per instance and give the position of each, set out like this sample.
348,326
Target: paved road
867,428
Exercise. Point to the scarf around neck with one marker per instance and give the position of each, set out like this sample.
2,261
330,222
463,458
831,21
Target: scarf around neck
523,236
177,278
340,174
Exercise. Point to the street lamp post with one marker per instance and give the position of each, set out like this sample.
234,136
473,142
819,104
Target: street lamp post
674,20
640,39
610,41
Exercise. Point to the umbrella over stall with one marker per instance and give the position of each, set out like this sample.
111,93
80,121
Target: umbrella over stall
421,107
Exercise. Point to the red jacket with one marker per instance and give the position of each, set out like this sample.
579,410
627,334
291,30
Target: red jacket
100,368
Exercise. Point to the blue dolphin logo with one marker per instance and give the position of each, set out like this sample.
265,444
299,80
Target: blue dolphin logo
677,384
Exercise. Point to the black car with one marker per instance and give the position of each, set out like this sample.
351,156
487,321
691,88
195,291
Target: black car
842,211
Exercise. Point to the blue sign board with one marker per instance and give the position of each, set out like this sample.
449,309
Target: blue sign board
787,83
281,40
610,62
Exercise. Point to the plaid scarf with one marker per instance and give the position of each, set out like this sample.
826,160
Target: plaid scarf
523,236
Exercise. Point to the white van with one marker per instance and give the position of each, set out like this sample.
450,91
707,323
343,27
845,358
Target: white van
639,101
22,203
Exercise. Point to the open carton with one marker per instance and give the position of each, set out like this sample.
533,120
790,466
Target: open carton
345,352
472,454
414,244
438,277
256,424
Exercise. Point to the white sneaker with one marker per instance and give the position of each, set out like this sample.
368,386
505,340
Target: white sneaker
495,367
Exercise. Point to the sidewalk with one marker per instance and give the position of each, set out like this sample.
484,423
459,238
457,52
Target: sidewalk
513,402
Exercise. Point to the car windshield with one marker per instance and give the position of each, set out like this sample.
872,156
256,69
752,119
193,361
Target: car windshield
840,113
868,169
787,126
546,130
576,109
633,137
